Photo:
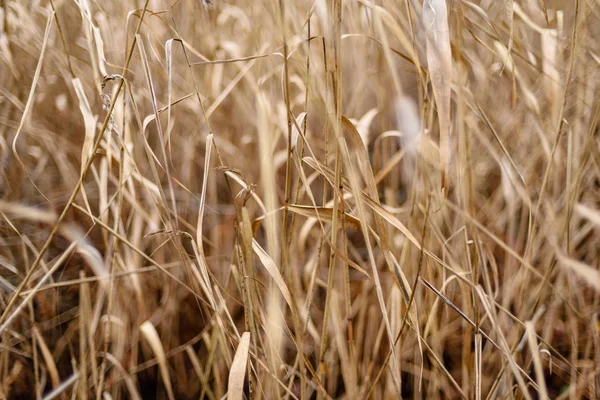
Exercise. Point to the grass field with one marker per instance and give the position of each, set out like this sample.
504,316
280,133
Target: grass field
275,199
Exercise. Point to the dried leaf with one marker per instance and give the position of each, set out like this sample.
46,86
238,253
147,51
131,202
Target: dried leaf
272,269
325,214
588,274
89,121
295,132
237,373
151,335
439,58
589,213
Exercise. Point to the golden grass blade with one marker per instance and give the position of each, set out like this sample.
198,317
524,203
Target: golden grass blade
199,225
84,318
273,270
589,213
48,359
151,336
390,218
553,79
325,214
448,302
131,386
267,172
95,50
586,273
203,277
408,122
100,50
89,122
363,125
439,58
60,389
169,59
237,373
236,177
34,214
480,11
87,251
537,362
478,366
296,129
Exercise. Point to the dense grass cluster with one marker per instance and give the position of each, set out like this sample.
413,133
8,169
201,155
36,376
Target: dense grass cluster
358,199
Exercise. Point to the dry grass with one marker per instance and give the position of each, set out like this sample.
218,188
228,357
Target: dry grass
300,199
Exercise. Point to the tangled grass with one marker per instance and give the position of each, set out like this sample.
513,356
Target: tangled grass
300,199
